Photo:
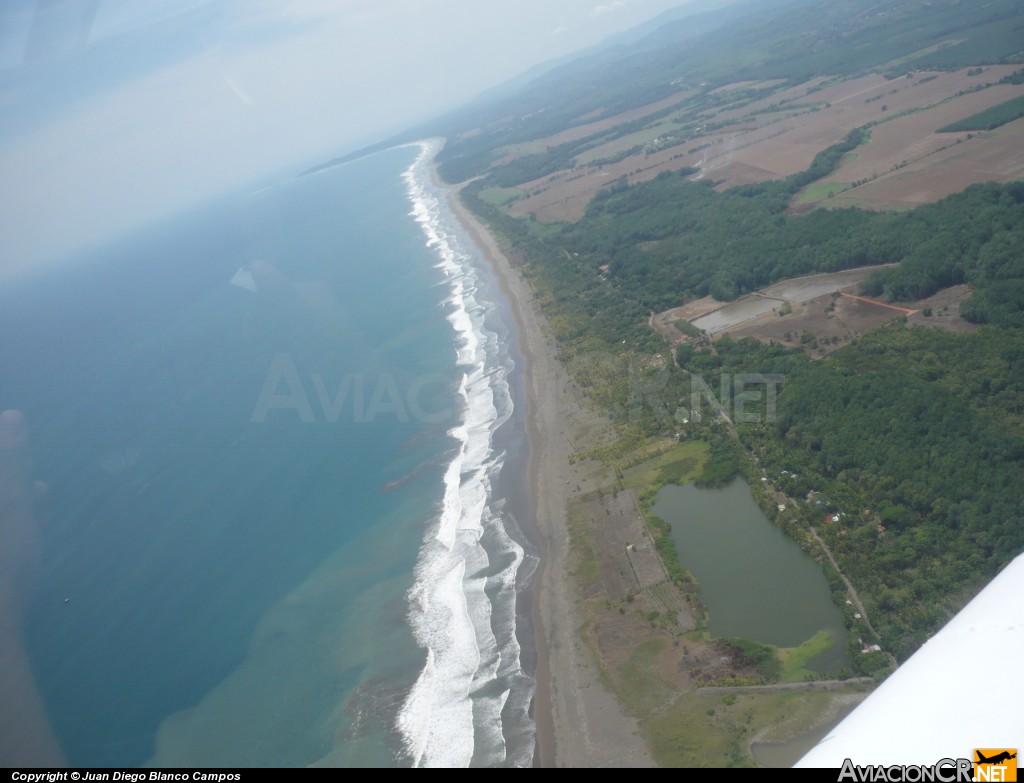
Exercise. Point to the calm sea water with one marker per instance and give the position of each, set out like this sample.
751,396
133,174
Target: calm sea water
280,526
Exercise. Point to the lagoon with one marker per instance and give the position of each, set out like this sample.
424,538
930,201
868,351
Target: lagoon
756,583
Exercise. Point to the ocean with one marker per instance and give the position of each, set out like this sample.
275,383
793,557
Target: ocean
285,484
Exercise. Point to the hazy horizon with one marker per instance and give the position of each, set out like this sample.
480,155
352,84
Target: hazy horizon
118,114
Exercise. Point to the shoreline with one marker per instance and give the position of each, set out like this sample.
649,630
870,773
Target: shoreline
579,722
545,754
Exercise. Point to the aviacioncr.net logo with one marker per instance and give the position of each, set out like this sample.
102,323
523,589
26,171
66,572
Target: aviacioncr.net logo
995,764
942,771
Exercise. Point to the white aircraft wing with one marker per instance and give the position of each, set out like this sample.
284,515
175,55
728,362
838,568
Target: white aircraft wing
962,690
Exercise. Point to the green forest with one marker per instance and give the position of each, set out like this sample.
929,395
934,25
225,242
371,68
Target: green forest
915,430
904,448
913,436
990,118
673,239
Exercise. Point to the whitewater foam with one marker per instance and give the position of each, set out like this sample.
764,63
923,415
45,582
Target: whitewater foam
472,695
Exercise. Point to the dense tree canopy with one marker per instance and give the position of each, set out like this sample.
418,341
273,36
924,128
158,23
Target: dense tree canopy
915,430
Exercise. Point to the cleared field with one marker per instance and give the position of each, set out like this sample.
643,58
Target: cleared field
780,297
746,85
741,311
650,134
945,311
827,322
588,129
990,118
820,191
819,313
694,309
820,325
562,196
912,137
803,289
500,196
991,156
788,145
694,113
779,135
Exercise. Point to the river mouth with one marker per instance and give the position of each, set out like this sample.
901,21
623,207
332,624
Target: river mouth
755,582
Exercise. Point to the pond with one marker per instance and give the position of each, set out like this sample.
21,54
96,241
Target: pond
755,582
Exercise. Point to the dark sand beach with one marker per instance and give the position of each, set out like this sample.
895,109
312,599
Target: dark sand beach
579,722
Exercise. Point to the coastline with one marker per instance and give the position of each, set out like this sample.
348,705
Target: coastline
579,722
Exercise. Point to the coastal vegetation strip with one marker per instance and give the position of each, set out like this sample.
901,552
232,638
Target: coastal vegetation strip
649,636
892,458
615,377
890,495
989,119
